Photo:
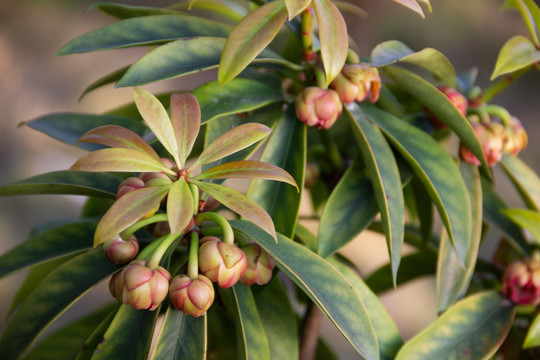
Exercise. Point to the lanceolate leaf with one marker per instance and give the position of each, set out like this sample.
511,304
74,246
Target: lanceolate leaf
533,334
51,298
325,286
127,210
248,169
518,53
531,14
119,160
157,119
234,140
333,36
179,206
286,148
475,327
295,7
528,219
413,5
180,337
433,166
118,137
385,178
65,182
240,204
238,95
249,37
121,11
107,79
524,178
441,106
453,280
186,121
144,30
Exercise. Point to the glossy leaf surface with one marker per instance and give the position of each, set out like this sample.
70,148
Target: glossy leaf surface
186,121
475,327
527,219
179,206
413,5
295,7
518,53
524,178
121,11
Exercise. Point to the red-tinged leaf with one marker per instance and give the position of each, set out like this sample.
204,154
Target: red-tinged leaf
333,36
127,210
157,119
186,121
295,7
240,204
248,169
413,5
234,140
249,37
118,159
118,137
179,206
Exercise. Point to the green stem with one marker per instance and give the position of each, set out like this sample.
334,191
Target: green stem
157,254
126,234
331,148
211,231
308,55
195,194
502,84
481,112
193,259
500,112
150,248
320,77
228,235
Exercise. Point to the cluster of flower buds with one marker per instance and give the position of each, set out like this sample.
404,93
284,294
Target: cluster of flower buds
318,107
192,296
357,82
259,266
491,136
515,138
521,282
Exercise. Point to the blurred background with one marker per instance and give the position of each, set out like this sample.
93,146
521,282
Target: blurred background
34,82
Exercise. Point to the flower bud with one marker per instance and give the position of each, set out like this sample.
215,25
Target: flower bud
116,285
515,137
491,137
192,296
521,282
221,262
120,251
260,266
357,82
456,98
318,107
128,185
144,288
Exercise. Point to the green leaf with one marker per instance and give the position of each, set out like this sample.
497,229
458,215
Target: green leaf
51,244
384,175
278,319
531,14
69,127
236,96
453,280
91,343
386,330
433,166
413,5
119,160
240,204
353,203
236,139
180,337
352,9
121,11
52,297
118,137
144,30
286,148
517,53
186,121
127,210
475,327
441,106
324,285
65,182
128,325
533,334
393,51
524,178
527,219
331,27
107,79
295,7
229,10
249,37
66,342
179,206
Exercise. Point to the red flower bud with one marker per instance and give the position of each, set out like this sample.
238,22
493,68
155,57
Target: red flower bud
120,251
128,185
318,107
144,288
521,282
491,137
515,137
192,296
260,266
456,98
221,262
357,82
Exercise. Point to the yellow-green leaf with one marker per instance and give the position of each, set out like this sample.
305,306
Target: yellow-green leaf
333,36
295,7
413,5
528,219
186,121
518,53
533,334
524,178
179,206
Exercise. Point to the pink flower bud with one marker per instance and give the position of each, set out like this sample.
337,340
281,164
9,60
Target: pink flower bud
515,137
260,266
491,137
128,185
144,288
116,285
120,251
221,262
192,296
357,82
521,282
318,107
456,98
